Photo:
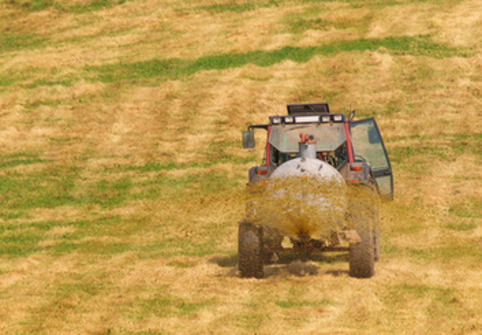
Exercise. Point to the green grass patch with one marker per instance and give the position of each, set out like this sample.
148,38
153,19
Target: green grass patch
19,191
21,243
187,247
96,247
176,68
210,161
181,265
204,243
461,226
68,296
11,215
87,6
469,249
440,302
252,321
111,192
233,7
302,303
51,82
8,163
312,4
168,306
95,5
470,208
19,42
429,148
17,240
53,187
406,154
34,5
301,22
420,291
7,80
464,249
83,288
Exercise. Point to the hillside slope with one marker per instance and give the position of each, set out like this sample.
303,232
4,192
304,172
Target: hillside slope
122,174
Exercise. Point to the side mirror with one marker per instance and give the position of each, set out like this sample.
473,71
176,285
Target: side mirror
248,139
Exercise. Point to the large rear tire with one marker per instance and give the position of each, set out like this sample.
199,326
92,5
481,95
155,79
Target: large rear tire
362,258
364,218
250,247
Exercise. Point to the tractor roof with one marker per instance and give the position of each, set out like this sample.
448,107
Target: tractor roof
304,113
308,109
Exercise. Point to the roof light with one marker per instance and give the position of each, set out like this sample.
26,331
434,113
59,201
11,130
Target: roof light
289,119
307,119
325,118
276,120
337,118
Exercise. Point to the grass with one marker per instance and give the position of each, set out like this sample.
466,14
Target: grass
122,177
168,306
256,5
66,187
234,7
87,6
19,42
177,68
18,162
297,303
20,240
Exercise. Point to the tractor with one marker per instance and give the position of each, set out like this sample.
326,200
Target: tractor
319,188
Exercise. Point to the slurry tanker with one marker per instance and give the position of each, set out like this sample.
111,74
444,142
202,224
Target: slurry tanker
319,188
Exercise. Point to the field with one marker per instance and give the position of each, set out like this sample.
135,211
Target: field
122,176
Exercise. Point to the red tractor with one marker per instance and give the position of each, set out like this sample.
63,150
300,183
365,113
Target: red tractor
320,185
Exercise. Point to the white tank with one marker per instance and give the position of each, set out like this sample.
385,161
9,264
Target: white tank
308,167
305,197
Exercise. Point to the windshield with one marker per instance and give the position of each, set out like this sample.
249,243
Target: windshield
328,136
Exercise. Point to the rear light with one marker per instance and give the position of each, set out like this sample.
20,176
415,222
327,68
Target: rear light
263,169
355,181
356,168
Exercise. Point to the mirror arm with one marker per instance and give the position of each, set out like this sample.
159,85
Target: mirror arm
352,116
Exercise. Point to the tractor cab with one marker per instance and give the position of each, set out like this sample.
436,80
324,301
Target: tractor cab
354,148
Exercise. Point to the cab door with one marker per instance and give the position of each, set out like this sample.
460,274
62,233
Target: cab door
368,146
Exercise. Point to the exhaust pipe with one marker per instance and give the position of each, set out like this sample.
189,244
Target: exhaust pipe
307,147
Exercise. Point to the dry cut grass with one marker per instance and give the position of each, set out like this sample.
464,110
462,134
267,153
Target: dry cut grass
122,179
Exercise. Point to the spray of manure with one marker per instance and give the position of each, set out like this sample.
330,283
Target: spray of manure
308,207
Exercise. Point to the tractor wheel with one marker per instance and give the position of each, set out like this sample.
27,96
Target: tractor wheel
364,218
250,245
362,259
